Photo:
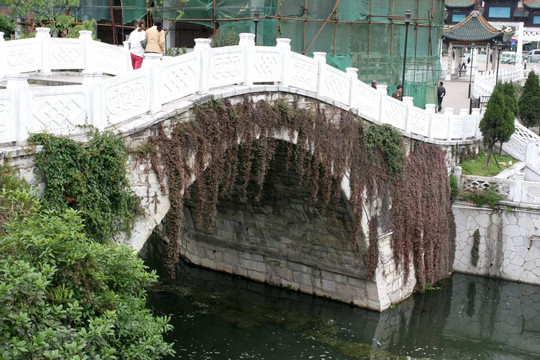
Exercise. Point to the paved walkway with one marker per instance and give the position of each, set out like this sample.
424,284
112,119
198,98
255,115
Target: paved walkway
457,92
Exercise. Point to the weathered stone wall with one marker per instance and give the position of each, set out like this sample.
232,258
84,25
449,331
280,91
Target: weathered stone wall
509,246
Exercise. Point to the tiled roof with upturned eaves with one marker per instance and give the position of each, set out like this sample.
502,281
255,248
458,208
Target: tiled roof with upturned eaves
459,3
473,28
531,4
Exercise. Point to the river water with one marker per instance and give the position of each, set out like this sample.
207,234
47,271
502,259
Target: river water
217,316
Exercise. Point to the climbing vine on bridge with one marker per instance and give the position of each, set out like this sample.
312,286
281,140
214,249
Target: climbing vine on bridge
228,146
90,178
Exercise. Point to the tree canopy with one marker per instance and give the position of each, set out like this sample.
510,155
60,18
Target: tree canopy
529,100
497,124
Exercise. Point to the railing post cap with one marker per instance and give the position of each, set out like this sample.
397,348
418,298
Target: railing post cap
352,71
16,77
202,41
319,54
247,36
408,100
85,33
283,41
449,111
430,107
463,112
43,32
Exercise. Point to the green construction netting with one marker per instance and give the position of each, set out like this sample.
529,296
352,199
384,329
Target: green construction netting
366,34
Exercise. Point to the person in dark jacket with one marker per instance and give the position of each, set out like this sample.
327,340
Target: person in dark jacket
398,94
441,92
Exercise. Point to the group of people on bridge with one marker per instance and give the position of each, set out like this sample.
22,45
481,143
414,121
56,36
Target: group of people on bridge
143,41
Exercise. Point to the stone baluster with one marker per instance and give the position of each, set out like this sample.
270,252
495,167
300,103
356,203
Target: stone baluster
532,157
320,57
458,170
17,85
85,36
247,44
464,115
92,87
44,37
408,103
430,108
449,113
152,61
476,118
516,190
202,48
284,46
3,55
353,77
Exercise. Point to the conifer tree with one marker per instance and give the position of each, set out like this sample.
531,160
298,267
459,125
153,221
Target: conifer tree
529,100
510,102
497,125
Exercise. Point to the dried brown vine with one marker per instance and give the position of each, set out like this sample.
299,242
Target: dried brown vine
229,144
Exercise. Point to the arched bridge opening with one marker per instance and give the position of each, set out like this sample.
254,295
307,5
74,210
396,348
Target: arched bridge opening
274,229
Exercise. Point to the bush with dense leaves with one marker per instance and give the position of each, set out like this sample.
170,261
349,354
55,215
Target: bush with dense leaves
64,296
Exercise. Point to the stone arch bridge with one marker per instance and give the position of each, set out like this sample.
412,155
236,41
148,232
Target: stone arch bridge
110,96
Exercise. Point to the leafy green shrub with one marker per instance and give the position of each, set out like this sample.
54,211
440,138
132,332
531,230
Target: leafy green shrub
225,37
6,26
388,140
454,187
90,178
488,197
64,296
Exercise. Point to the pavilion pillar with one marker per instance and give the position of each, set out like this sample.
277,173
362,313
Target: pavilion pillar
450,66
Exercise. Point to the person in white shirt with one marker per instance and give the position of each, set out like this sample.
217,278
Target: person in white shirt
135,47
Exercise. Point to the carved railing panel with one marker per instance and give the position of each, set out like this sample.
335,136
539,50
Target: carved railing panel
58,110
22,56
266,64
108,59
7,123
480,183
66,54
226,66
303,72
418,121
366,100
126,97
180,77
456,127
335,84
393,112
439,130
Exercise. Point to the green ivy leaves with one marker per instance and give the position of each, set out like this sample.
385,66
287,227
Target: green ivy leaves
90,178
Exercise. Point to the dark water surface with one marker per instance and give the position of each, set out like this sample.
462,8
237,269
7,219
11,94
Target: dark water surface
217,316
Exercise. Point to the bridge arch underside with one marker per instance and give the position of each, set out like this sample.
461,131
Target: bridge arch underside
282,239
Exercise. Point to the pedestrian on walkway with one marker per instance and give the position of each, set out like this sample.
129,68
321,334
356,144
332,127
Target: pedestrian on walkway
136,49
398,94
441,92
374,84
155,38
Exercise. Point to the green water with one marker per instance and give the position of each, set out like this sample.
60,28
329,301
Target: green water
217,316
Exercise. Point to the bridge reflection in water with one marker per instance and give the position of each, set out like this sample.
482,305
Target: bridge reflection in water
217,316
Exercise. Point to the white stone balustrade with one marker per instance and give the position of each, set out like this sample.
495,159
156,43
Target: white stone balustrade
485,83
127,95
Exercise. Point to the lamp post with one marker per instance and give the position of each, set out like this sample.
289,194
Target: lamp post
407,22
256,21
498,46
472,62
